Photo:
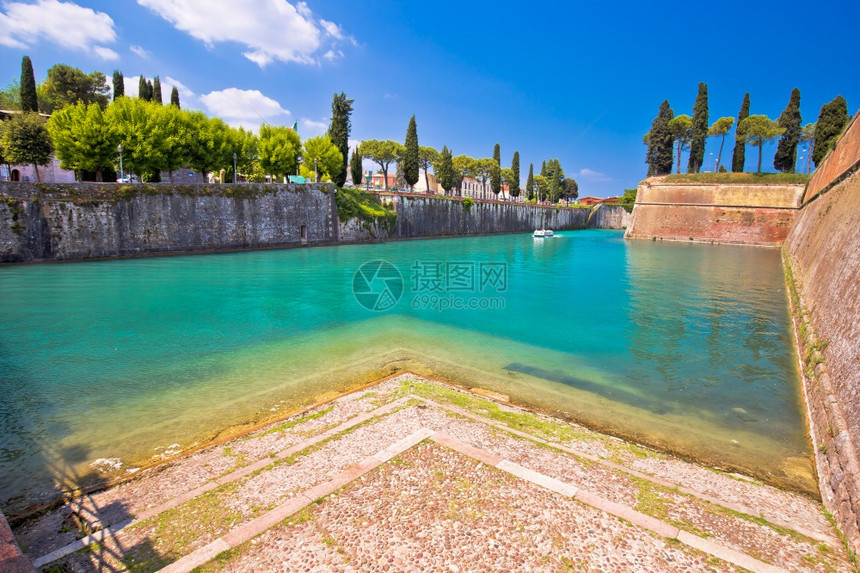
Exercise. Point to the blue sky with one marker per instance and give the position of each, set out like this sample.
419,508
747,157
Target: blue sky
577,81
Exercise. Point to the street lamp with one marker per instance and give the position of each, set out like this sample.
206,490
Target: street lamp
316,175
121,174
234,168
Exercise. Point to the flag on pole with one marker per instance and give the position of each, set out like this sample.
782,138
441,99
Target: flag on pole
295,127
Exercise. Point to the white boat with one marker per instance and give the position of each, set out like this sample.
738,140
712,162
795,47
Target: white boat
542,233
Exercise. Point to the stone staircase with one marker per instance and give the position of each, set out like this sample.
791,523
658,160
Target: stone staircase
413,475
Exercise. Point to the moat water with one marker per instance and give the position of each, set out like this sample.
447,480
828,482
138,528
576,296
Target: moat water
683,346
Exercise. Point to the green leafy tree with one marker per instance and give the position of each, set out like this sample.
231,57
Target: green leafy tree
699,130
515,169
176,132
212,146
720,129
570,190
464,166
541,187
427,157
118,84
83,139
530,183
508,179
338,131
628,199
156,91
807,136
174,98
382,152
759,129
323,153
356,170
785,157
136,125
496,174
411,156
831,121
483,170
739,153
66,85
660,142
10,97
279,149
445,175
245,144
29,101
554,180
681,128
26,141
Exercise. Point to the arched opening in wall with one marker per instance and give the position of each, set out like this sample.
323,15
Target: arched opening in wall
16,175
304,234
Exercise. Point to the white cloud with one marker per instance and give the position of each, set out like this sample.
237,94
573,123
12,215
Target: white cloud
63,23
353,143
140,51
272,30
596,176
332,29
184,90
105,53
311,127
246,108
331,55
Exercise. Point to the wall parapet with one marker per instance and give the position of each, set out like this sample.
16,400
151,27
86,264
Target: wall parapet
734,213
840,163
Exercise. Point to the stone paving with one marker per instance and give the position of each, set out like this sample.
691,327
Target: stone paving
413,475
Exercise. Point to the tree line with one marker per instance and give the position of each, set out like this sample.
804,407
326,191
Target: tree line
91,134
670,135
451,172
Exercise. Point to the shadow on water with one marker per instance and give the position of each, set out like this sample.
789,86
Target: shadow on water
614,393
63,505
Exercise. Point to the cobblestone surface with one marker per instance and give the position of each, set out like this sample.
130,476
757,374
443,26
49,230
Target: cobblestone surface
432,508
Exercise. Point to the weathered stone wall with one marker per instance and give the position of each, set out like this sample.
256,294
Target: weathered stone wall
419,216
750,214
609,217
39,222
823,251
840,162
11,558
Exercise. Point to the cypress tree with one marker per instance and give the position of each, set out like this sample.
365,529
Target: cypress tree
660,141
410,154
543,168
338,130
174,97
739,153
515,167
118,85
141,88
700,130
530,182
496,174
831,121
445,171
355,168
29,102
786,150
156,91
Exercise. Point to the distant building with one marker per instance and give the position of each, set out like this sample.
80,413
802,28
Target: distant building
421,185
377,181
597,200
50,173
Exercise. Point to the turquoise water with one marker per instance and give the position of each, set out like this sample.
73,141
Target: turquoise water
683,346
